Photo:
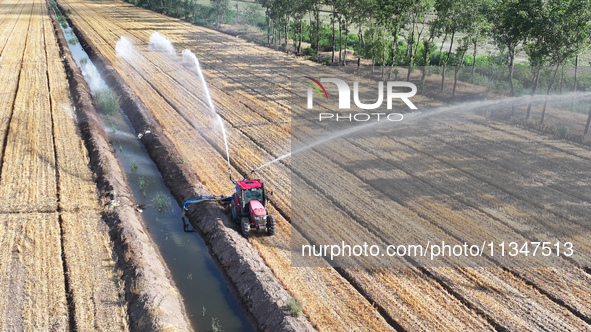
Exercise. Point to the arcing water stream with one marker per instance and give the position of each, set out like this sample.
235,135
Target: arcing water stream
158,42
420,115
190,56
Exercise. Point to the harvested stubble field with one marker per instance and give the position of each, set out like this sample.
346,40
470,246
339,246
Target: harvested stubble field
445,177
57,270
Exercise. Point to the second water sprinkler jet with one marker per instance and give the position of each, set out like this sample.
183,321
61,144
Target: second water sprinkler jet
192,58
160,43
125,50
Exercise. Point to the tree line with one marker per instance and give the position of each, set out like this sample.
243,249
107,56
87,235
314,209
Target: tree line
552,33
403,32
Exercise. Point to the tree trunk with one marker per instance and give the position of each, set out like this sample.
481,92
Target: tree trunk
441,49
395,45
373,50
426,57
561,78
410,61
346,41
548,92
453,94
442,77
419,34
412,50
332,19
533,91
301,35
451,44
237,13
286,33
272,33
359,45
572,103
340,43
511,67
576,69
268,27
311,30
423,75
475,41
383,51
317,13
446,60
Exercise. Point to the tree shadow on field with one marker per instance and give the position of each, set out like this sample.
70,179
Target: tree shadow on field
453,179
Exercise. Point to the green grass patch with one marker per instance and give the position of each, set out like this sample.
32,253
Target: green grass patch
142,183
73,41
295,307
215,325
107,101
162,201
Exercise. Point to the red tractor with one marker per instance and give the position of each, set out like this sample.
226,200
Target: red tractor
249,207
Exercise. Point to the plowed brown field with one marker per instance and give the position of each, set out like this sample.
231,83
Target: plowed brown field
57,270
473,156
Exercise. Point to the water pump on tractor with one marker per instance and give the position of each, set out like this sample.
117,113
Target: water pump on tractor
248,205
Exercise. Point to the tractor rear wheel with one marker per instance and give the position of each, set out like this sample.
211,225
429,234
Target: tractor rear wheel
271,225
245,226
234,210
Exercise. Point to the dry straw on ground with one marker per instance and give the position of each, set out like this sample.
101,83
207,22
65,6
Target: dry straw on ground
55,245
248,84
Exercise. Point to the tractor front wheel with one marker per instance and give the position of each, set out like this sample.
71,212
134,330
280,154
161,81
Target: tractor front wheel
271,225
245,226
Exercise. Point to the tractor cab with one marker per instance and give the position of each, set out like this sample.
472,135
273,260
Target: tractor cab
250,190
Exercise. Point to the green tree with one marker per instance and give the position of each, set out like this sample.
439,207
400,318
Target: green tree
510,22
417,21
277,13
220,7
474,25
479,29
560,33
298,11
390,16
453,16
348,11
